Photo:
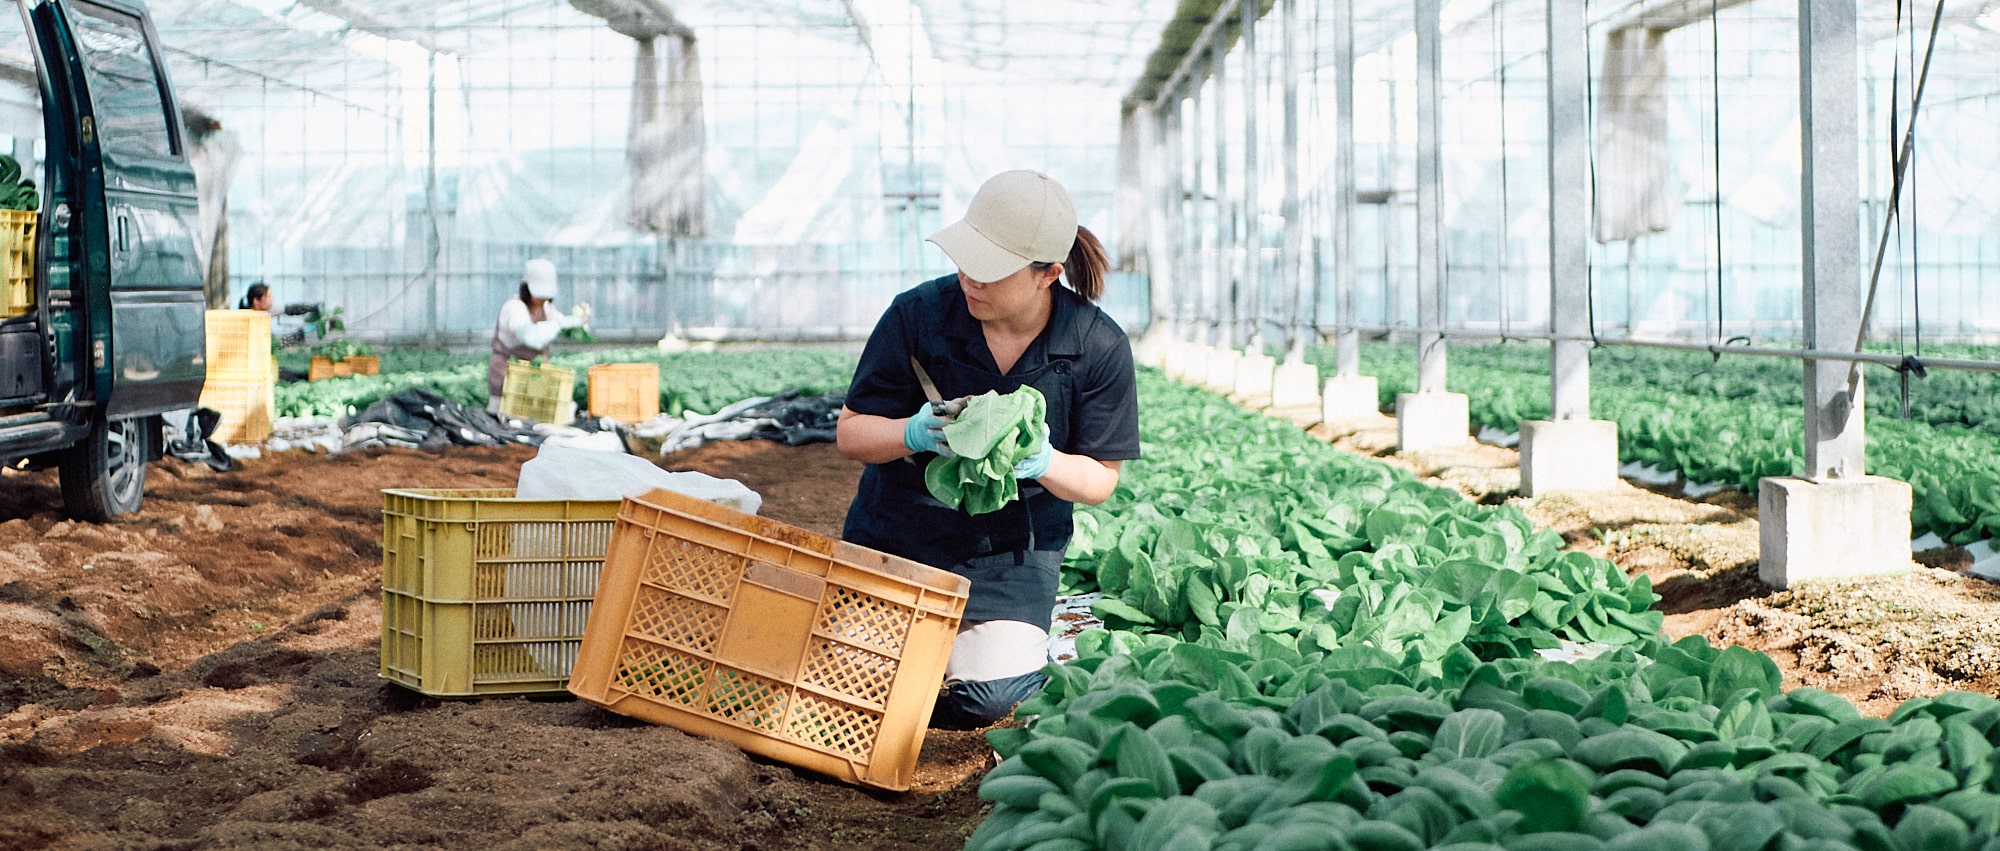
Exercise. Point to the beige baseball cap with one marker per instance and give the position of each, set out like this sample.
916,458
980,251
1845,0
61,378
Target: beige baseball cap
1016,218
540,276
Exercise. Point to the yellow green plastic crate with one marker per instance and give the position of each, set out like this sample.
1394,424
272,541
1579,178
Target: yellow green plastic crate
544,393
17,261
486,594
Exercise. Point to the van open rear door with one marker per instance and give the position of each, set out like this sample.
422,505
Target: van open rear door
124,288
131,209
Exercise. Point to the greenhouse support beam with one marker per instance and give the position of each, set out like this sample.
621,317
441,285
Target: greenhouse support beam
1223,322
1249,331
1162,191
1430,244
1289,253
1199,236
1569,209
1182,73
1568,451
1431,417
1347,345
1830,193
1183,192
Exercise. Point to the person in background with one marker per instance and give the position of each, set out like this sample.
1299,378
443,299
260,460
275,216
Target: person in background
529,322
999,323
257,297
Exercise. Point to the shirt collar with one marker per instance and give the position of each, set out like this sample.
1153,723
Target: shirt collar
1066,328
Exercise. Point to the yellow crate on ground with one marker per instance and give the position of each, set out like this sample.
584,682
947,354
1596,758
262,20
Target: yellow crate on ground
626,392
17,261
246,406
239,345
545,393
484,593
789,644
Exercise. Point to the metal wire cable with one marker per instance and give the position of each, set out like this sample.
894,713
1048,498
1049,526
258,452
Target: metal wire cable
1903,152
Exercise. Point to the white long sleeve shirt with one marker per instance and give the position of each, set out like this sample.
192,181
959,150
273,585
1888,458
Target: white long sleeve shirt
517,327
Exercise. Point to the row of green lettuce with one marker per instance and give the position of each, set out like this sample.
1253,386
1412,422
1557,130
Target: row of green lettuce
1311,650
703,382
1736,420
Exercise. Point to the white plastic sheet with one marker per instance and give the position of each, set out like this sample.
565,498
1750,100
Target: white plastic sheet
562,472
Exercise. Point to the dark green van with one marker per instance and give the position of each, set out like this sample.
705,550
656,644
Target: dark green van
113,339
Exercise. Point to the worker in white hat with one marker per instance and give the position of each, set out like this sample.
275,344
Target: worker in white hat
528,323
1018,312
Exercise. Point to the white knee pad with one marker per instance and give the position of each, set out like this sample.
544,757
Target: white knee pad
996,650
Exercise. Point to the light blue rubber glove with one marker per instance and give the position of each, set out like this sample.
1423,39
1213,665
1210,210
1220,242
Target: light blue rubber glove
924,432
1037,465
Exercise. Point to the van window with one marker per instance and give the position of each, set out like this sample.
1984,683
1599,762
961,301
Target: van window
20,97
124,83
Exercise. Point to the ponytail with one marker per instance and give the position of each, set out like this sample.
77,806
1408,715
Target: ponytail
1086,265
527,297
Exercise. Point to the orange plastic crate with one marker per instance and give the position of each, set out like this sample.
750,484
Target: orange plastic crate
239,346
484,593
323,367
626,392
789,644
17,261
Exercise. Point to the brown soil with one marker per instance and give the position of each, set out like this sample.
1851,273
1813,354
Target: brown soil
205,675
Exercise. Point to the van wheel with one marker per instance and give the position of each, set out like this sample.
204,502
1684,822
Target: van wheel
104,476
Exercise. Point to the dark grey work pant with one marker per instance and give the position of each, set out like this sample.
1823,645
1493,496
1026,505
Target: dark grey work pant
972,704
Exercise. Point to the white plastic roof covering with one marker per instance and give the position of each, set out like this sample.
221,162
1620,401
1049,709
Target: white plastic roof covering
1071,60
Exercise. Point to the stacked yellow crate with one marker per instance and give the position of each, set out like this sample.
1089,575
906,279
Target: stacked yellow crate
241,374
17,262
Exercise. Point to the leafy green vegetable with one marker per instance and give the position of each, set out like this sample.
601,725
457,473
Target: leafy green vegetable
994,433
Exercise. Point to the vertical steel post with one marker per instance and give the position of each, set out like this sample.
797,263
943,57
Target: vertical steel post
1347,346
1830,196
1430,214
1203,233
1185,248
1288,253
431,197
1155,166
1250,295
1569,210
1223,322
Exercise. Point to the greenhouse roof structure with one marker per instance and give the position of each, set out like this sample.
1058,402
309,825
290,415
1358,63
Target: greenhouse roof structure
399,153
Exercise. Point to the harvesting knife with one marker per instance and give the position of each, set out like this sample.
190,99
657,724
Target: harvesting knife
943,409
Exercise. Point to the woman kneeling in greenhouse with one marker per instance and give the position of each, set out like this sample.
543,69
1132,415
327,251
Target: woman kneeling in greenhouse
998,325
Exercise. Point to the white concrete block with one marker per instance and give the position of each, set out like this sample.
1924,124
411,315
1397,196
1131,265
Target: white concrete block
1350,397
1221,375
1432,421
1151,348
1568,455
1831,528
1254,374
1295,385
1188,362
1172,357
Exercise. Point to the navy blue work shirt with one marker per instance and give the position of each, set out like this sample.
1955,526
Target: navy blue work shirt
1082,364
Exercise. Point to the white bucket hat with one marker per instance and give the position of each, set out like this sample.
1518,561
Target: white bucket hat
540,276
1016,218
